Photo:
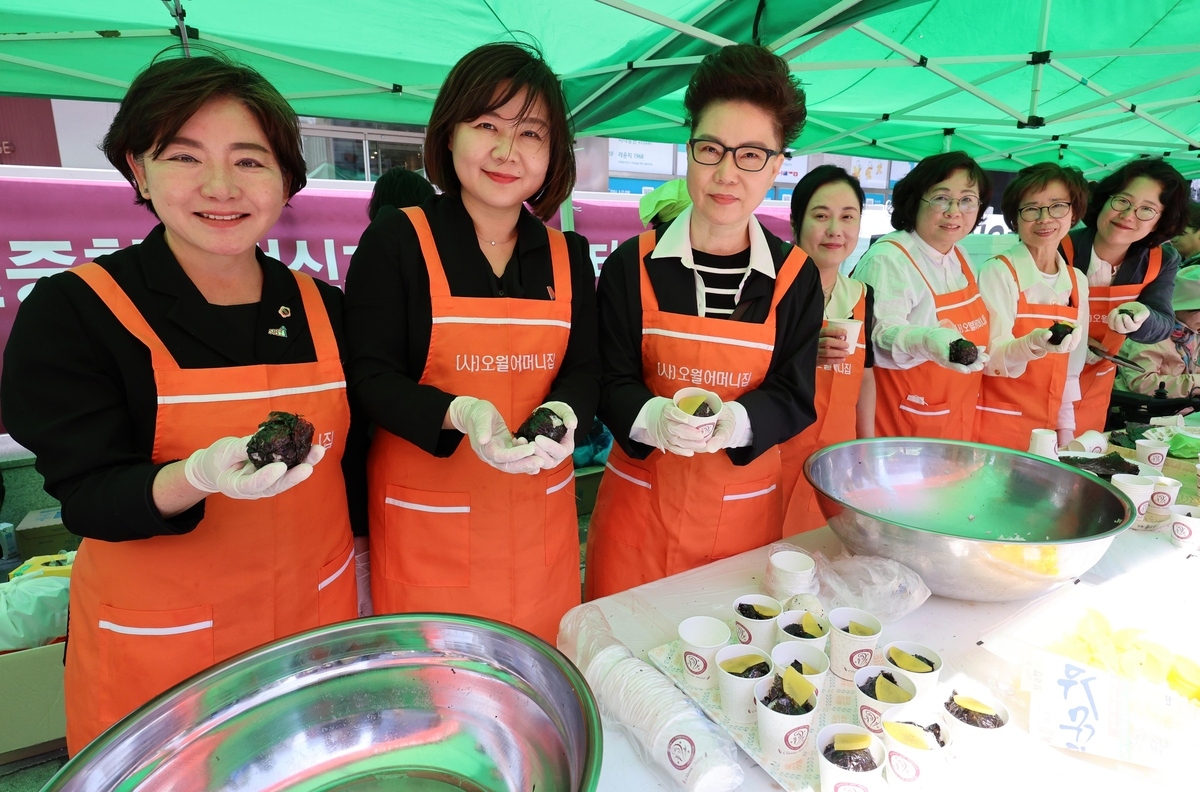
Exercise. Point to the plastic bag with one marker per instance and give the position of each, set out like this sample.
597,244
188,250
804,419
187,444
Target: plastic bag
666,729
33,611
882,587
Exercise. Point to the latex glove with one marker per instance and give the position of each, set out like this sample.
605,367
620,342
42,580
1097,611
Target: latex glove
1072,341
552,453
727,428
362,580
297,474
669,430
936,343
1092,358
1124,323
832,346
224,467
1035,344
489,437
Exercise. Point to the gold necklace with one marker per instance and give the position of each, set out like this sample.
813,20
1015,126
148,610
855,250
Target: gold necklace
501,241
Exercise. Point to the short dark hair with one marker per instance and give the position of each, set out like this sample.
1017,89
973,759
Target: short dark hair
1174,198
487,78
814,180
1035,178
908,192
748,73
399,187
171,90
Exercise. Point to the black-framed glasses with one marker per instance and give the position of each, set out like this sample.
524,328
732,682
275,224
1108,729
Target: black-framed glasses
748,158
1031,214
942,203
1120,204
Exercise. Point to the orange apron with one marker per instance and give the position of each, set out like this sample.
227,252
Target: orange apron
944,407
148,614
1010,408
1096,379
456,535
836,401
667,513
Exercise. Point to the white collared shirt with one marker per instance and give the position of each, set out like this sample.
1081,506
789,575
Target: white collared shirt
1100,272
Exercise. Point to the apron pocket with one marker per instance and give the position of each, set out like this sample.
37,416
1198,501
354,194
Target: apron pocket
143,653
428,537
924,420
1002,424
562,518
624,499
749,517
337,592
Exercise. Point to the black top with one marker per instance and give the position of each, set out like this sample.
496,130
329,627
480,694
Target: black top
78,388
389,316
721,275
779,409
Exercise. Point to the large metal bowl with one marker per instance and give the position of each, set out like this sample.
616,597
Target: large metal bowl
977,522
418,702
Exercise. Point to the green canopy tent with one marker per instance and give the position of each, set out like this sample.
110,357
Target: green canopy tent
1088,82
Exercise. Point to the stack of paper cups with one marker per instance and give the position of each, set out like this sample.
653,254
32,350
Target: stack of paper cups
1044,443
1152,453
1138,489
1185,527
1162,499
789,572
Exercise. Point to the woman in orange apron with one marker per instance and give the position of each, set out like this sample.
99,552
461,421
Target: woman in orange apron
118,371
1032,377
826,213
464,316
1130,275
711,301
926,299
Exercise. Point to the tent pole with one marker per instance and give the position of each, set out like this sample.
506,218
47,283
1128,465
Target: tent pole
841,134
812,24
175,9
1107,96
867,140
947,140
306,64
672,118
63,71
1117,98
566,215
988,146
1043,36
667,22
881,63
7,38
814,42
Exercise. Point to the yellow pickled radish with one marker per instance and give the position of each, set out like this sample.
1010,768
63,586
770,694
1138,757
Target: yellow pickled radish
975,705
851,742
890,693
1132,662
908,662
1126,639
859,629
689,404
805,668
909,734
766,610
810,624
736,665
797,687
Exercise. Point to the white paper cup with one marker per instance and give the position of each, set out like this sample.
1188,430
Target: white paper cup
789,572
852,328
737,694
700,637
1166,490
970,739
1152,452
1185,526
913,768
1044,443
788,618
1091,442
837,779
781,738
705,425
925,682
1137,488
870,709
848,653
785,654
756,632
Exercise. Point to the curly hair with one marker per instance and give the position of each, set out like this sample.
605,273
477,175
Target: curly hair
753,74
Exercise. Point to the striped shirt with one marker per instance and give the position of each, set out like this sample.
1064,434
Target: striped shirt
722,276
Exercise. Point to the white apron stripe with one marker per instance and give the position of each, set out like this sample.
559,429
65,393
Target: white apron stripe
1042,316
426,508
906,408
746,495
1017,413
1106,372
1092,298
627,477
713,339
203,398
180,630
958,305
337,574
500,321
562,484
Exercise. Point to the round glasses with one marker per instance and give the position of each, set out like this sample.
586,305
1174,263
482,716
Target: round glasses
942,203
748,158
1120,204
1031,214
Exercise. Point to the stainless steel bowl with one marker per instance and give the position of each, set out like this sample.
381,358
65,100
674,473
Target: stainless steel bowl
418,702
977,522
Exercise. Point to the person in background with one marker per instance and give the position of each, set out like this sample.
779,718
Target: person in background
1130,274
399,188
826,214
926,299
1032,376
664,203
710,300
1187,241
464,316
1172,362
138,379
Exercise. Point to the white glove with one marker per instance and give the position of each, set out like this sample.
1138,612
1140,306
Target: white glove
936,344
551,453
297,474
669,430
1124,323
490,439
224,467
1072,341
362,580
728,428
1093,358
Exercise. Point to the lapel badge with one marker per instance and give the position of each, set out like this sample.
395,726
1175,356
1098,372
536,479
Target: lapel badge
280,331
284,311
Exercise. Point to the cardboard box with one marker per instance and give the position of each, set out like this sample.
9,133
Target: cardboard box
31,689
42,533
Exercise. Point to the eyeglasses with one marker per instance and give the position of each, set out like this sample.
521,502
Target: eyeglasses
1120,205
748,158
1031,214
942,203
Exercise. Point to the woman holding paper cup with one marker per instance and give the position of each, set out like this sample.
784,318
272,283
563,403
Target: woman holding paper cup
1130,274
711,300
1038,311
826,213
